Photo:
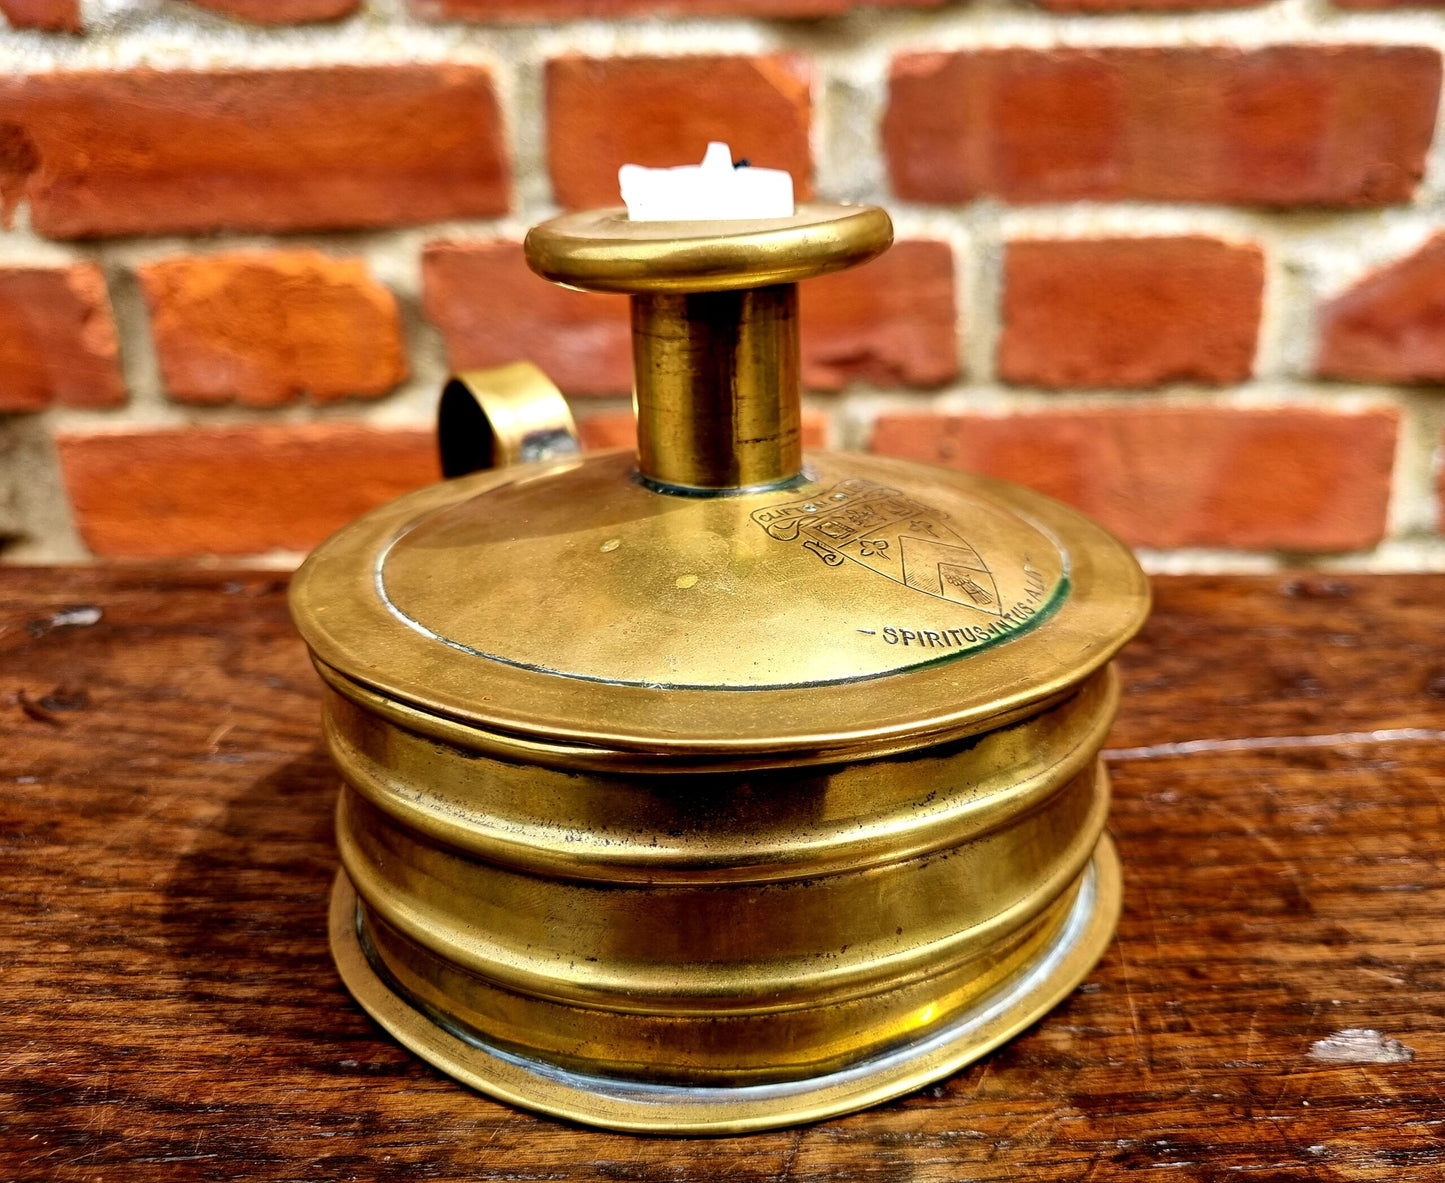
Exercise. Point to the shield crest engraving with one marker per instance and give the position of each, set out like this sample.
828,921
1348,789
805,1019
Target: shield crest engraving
890,533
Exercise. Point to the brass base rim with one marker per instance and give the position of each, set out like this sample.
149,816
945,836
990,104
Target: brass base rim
636,1107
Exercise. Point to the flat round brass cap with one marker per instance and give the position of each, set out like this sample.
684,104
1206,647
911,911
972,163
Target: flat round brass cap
567,614
604,251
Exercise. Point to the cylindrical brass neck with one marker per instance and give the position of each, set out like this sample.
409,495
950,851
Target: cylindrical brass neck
718,403
714,328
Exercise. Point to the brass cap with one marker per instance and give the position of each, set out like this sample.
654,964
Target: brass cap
604,251
577,618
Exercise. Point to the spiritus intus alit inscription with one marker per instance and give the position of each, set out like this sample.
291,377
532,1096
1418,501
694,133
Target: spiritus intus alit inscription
1015,617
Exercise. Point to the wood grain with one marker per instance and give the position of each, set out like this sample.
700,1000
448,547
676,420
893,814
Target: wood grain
168,1009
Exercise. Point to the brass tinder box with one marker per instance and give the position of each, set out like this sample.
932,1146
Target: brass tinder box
714,786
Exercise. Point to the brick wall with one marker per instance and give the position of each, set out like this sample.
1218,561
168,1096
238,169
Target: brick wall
1180,262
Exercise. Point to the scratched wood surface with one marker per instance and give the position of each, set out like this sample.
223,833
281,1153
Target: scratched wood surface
168,1009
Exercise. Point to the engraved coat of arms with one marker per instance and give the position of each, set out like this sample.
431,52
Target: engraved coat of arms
890,533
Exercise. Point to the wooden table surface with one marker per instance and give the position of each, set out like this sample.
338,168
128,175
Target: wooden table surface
168,1008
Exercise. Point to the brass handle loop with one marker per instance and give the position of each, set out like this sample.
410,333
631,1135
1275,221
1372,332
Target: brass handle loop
512,414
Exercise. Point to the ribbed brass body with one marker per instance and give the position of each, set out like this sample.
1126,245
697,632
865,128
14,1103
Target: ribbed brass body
794,921
722,786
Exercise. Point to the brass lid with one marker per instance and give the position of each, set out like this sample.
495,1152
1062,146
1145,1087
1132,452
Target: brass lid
715,599
878,605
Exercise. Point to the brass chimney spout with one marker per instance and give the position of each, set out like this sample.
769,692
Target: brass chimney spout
718,405
714,330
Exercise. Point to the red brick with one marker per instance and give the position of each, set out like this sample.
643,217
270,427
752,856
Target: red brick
891,322
57,339
603,113
235,490
492,309
1290,479
1129,312
147,152
618,429
54,16
1389,327
281,12
607,429
1343,125
264,328
551,10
